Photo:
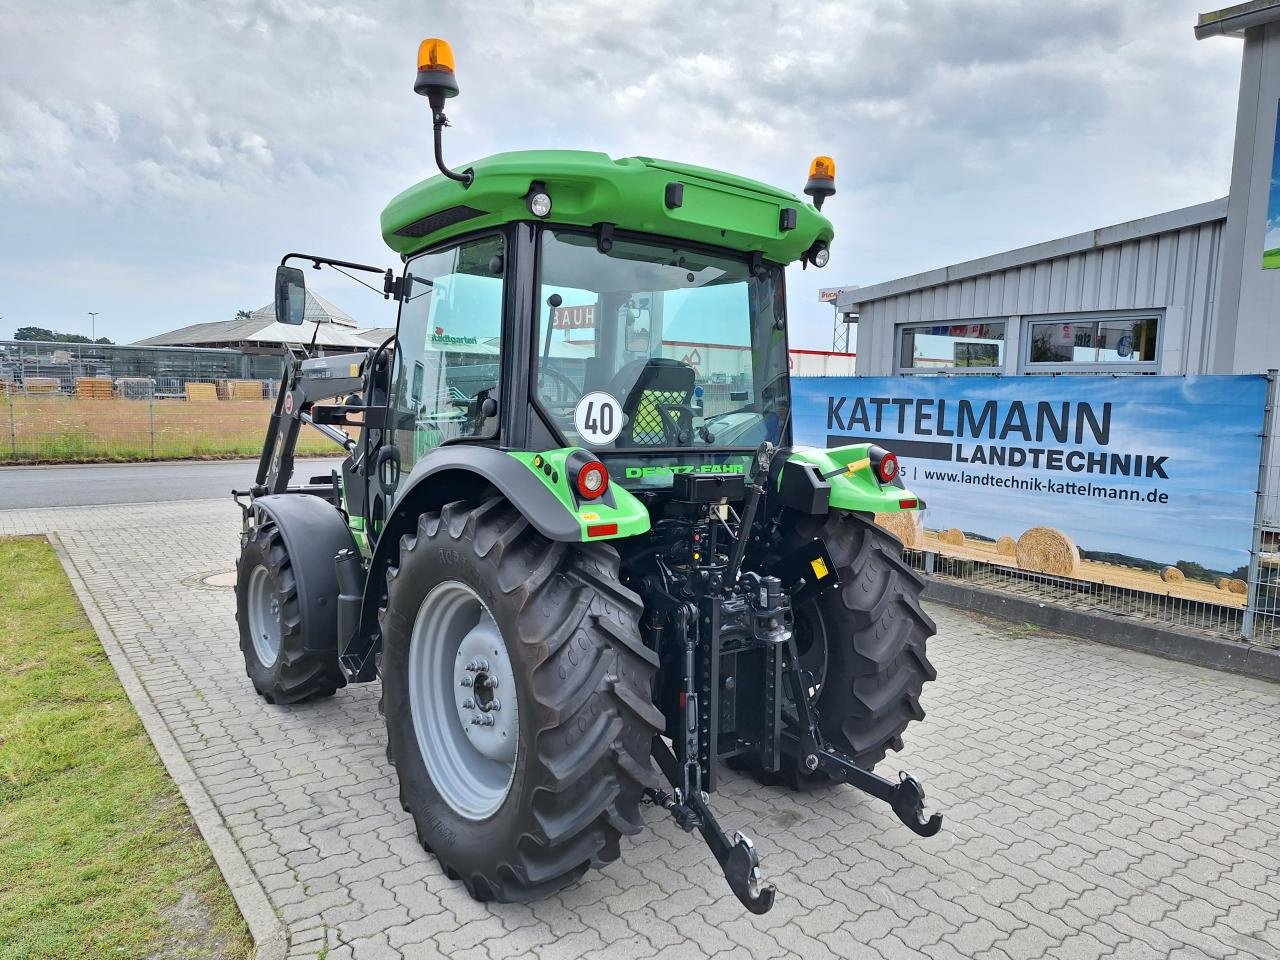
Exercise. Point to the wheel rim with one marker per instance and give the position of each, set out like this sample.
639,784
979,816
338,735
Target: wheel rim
264,616
462,699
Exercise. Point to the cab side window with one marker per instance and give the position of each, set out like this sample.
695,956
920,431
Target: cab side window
449,347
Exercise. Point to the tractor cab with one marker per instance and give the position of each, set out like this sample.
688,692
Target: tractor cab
632,322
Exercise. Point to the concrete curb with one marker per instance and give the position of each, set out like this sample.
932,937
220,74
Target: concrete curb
1232,657
270,938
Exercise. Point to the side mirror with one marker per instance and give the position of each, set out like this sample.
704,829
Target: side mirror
291,296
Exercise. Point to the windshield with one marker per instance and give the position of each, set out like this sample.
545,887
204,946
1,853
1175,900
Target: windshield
653,346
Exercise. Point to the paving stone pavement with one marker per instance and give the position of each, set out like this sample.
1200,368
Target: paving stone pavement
1099,803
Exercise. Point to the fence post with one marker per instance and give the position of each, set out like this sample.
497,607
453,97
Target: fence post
151,417
13,426
1254,584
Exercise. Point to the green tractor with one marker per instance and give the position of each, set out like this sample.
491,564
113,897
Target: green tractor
572,537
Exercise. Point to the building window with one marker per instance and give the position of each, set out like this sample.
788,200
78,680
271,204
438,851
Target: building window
953,346
1105,341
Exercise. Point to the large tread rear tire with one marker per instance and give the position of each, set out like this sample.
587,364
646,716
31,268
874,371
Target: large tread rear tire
875,632
297,674
583,678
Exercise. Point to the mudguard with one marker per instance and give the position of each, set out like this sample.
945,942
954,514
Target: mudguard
314,533
538,484
840,478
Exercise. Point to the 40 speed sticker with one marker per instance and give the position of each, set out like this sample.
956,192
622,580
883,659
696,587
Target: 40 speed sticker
598,418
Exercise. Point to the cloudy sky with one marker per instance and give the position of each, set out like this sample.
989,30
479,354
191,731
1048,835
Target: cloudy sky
157,156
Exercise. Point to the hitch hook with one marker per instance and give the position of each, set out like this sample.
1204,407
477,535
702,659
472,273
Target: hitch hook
741,868
907,802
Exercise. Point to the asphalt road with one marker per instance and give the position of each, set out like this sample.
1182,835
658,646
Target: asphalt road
93,484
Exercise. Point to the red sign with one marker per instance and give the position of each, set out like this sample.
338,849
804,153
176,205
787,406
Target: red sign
574,318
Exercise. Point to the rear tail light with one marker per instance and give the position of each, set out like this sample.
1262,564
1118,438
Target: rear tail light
592,480
602,530
887,468
908,504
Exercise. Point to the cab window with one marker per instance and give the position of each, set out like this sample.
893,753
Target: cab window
448,347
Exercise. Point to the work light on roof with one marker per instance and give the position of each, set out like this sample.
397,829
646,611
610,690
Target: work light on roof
539,204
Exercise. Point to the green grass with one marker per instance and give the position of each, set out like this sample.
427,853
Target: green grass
1271,259
98,854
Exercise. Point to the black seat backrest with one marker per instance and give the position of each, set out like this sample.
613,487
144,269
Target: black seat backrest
660,383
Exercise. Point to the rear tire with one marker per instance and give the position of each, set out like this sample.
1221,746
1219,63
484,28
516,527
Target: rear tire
864,642
579,689
273,634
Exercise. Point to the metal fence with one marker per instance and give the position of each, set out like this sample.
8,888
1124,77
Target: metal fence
97,370
80,402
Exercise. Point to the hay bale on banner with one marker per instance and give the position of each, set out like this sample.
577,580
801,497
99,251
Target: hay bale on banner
906,526
1172,575
1238,587
1007,547
1224,583
1047,550
952,537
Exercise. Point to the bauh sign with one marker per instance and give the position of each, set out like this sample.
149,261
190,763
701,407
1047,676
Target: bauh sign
574,318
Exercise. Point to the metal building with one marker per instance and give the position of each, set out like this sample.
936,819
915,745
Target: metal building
1153,281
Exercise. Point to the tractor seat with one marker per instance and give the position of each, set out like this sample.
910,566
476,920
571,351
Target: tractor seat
657,405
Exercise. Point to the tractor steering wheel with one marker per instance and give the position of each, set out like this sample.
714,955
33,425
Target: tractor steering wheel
573,389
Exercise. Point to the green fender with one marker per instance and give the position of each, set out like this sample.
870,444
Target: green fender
854,484
538,484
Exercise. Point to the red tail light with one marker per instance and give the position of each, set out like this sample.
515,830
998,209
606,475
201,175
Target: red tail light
592,480
602,529
908,504
887,468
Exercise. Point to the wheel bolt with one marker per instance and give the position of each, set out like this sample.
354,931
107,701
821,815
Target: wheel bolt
491,682
467,704
481,721
465,682
495,704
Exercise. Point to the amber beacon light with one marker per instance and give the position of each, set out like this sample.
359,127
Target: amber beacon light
822,180
437,83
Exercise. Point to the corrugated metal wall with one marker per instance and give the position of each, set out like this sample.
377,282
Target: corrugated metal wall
1175,272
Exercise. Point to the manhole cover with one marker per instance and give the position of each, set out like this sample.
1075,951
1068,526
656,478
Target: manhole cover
227,578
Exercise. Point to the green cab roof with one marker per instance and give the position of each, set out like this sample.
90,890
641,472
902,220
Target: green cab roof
586,188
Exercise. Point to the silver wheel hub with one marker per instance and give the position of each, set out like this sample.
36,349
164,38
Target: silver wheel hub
463,700
263,607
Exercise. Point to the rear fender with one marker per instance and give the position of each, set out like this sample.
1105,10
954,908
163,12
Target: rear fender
847,473
537,484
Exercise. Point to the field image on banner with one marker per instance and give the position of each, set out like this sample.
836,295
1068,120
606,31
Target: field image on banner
1120,478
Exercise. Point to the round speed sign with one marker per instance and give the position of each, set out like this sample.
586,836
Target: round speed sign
598,418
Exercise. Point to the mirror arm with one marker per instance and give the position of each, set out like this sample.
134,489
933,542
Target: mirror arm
316,261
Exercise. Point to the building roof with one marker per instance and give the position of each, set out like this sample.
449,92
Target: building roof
1235,20
377,335
848,298
331,325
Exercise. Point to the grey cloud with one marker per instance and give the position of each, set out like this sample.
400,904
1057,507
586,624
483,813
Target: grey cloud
206,138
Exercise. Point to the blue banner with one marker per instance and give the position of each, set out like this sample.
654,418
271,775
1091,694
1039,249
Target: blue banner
1160,471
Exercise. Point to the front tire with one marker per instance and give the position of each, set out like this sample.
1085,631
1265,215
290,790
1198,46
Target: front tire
284,665
517,820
